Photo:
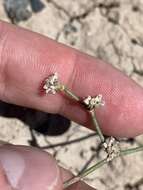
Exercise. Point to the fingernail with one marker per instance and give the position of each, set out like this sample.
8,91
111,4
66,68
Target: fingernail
29,169
13,164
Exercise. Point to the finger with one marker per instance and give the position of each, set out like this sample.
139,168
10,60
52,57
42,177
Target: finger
28,58
80,186
32,169
66,175
4,184
28,169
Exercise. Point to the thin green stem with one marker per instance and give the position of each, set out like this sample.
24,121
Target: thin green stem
131,150
100,164
84,174
96,125
70,94
93,168
71,181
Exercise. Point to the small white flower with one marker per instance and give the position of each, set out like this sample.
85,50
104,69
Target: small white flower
51,84
112,148
94,102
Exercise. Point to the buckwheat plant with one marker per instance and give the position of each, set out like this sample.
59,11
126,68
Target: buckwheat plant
110,145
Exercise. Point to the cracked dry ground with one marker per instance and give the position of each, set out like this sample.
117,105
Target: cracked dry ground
80,24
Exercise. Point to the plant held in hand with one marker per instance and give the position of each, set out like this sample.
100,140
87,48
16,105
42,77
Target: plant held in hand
110,145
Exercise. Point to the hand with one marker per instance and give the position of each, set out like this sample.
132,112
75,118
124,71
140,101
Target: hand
26,59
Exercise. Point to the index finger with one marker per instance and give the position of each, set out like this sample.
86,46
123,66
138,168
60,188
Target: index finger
28,58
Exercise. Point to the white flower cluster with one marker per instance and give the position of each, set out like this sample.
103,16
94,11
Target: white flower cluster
112,148
94,102
51,84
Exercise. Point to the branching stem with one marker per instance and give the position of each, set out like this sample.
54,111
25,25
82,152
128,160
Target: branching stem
96,125
98,165
70,94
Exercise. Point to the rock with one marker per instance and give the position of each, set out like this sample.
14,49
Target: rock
18,10
37,5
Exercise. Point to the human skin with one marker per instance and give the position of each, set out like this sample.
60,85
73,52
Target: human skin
26,59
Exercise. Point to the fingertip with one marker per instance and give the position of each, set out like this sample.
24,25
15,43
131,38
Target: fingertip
66,175
30,168
80,186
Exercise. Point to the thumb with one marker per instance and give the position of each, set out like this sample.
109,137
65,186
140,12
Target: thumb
80,186
25,168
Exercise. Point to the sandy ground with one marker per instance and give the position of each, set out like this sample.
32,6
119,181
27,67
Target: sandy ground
80,24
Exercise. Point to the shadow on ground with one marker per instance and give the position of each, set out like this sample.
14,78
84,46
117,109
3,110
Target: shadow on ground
45,123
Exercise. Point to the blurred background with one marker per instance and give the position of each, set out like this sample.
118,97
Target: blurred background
111,30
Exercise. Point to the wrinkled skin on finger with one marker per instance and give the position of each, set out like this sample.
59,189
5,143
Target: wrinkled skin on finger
28,58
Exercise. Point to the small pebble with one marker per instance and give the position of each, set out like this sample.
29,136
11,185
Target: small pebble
19,10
